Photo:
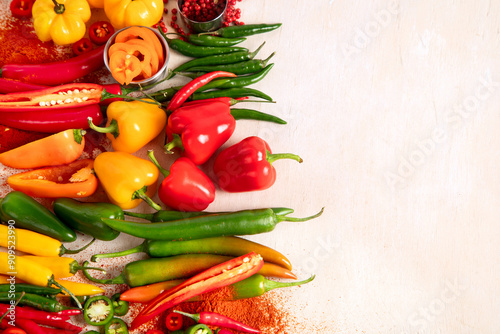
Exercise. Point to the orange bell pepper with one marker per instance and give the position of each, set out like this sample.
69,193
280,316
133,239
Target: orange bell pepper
72,180
127,179
58,149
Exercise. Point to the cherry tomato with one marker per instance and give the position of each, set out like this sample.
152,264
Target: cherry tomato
82,46
174,321
13,330
21,8
100,32
154,331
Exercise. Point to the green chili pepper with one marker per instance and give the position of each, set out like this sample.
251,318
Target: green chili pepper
245,67
28,214
229,246
30,288
244,30
168,93
229,58
257,285
198,329
239,113
240,81
98,311
119,306
244,222
190,50
231,92
116,326
86,217
92,332
36,301
208,40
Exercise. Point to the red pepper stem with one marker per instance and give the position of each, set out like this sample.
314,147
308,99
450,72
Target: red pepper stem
141,193
292,219
195,316
175,142
111,128
157,164
271,285
277,156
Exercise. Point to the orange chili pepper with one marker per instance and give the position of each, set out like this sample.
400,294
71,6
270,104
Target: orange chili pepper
58,149
72,180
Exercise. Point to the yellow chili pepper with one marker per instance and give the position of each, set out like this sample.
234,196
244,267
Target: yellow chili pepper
32,242
132,124
79,289
127,179
62,21
62,267
124,13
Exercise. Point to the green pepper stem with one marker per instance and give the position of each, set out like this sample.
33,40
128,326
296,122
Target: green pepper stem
138,249
265,61
58,7
111,128
52,281
90,268
147,216
141,193
277,156
106,95
292,219
175,142
78,135
271,285
75,251
116,280
250,114
195,317
254,53
15,304
157,164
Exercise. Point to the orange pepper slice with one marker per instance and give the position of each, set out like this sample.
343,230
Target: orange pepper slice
144,34
140,52
124,67
155,62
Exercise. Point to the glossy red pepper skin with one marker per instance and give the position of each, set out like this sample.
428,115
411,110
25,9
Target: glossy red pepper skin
100,32
221,275
202,128
58,72
52,121
247,166
15,86
21,8
82,46
219,320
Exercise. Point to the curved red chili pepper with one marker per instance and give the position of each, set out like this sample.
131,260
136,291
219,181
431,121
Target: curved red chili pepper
14,86
52,121
58,72
185,92
216,319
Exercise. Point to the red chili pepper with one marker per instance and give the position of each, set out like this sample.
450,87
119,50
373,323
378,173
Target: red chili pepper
100,32
185,187
21,8
14,330
185,92
58,72
221,275
200,129
247,165
216,319
37,315
52,121
82,46
14,86
174,321
29,326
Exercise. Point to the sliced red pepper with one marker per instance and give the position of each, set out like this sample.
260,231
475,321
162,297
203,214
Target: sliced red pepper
100,32
221,275
21,8
174,321
82,46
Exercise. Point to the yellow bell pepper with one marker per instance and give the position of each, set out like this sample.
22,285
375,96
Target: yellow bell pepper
127,179
96,3
124,13
133,124
62,21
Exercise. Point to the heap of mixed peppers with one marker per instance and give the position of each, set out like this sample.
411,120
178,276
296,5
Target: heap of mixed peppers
191,252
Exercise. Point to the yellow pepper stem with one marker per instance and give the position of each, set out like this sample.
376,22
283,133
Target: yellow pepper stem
112,128
141,193
58,7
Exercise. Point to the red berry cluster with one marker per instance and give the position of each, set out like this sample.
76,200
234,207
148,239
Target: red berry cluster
232,14
202,10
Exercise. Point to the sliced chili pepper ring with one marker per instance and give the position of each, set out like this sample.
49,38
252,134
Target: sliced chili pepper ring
120,306
116,326
21,8
100,32
82,46
174,321
98,311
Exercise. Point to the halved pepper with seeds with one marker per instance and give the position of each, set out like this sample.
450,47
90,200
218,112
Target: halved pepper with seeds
74,180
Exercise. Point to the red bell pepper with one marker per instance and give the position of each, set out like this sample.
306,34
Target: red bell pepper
58,72
185,187
200,129
221,275
247,165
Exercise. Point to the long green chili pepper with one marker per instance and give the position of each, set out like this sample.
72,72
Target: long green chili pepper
244,222
239,113
30,288
229,58
244,30
230,92
167,94
244,67
240,81
208,40
229,246
35,301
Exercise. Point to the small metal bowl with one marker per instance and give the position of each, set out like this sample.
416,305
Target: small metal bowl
197,27
162,72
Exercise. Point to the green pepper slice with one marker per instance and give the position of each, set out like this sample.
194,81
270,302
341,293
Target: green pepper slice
119,306
116,326
98,311
198,329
